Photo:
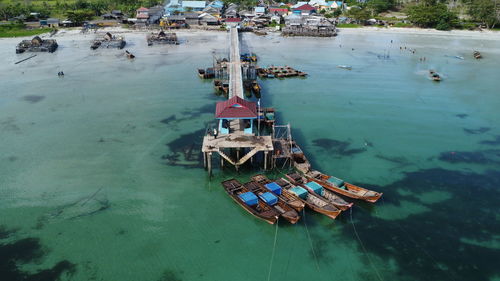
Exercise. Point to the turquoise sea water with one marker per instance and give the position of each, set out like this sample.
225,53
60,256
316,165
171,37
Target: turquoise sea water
87,191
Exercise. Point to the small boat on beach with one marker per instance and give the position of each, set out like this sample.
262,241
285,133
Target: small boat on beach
300,161
37,44
284,195
249,201
271,199
311,200
477,55
316,188
434,76
343,188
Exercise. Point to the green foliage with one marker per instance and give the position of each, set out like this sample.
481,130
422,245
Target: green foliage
360,14
484,11
79,16
378,6
430,14
402,24
348,25
18,30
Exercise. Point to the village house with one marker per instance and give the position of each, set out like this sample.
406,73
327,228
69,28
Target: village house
155,14
259,11
231,11
208,19
304,10
278,11
173,7
195,6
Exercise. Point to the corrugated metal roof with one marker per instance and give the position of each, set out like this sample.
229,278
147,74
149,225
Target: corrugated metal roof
194,4
235,107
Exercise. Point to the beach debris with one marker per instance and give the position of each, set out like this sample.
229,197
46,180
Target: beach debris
25,59
37,44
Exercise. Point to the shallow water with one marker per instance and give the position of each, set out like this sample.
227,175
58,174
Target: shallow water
85,175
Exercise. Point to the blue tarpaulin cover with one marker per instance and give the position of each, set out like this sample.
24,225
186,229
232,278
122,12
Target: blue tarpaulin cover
337,182
318,189
299,191
269,198
249,198
274,188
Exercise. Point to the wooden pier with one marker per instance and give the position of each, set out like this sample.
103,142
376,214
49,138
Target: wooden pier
235,139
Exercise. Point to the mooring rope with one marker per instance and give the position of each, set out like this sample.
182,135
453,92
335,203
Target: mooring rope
363,246
310,240
274,249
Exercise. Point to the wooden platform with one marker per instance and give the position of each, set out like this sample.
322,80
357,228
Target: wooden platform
261,143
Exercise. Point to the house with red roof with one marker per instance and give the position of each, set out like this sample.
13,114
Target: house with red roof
142,13
305,10
278,11
235,112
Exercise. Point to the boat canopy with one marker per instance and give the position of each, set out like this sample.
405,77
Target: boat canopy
269,198
274,188
249,198
299,191
335,181
318,189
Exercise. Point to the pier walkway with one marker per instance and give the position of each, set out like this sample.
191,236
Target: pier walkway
237,141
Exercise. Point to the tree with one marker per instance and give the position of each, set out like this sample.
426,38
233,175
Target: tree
431,14
359,14
486,12
79,16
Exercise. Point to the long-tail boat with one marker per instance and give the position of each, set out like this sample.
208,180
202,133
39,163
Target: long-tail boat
312,201
477,55
313,186
300,161
286,196
344,188
434,76
285,211
249,201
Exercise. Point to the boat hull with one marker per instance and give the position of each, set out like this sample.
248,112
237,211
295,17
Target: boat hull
371,199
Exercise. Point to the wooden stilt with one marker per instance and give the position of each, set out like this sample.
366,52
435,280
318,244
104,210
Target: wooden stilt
205,160
265,160
209,164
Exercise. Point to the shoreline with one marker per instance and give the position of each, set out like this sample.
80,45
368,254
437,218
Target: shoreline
485,34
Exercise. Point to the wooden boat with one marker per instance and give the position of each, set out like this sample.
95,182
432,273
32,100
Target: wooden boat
312,201
289,199
129,54
344,188
347,67
96,44
300,161
434,76
260,209
285,211
256,89
37,44
477,55
333,198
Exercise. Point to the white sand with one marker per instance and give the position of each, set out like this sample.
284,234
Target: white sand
485,34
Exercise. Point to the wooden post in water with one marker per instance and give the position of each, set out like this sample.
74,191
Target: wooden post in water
265,160
209,158
205,160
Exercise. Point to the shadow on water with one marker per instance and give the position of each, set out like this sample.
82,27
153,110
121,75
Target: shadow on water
28,251
338,147
481,130
33,98
491,156
433,246
186,150
496,141
170,275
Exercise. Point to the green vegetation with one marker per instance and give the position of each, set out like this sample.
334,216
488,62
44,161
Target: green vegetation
431,14
60,9
348,25
486,12
402,24
19,30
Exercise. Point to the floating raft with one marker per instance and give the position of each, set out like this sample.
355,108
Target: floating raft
109,41
37,44
162,38
280,72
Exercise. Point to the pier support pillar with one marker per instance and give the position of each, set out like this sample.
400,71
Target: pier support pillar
221,162
265,160
237,154
209,163
205,160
